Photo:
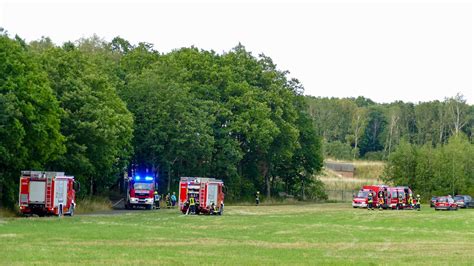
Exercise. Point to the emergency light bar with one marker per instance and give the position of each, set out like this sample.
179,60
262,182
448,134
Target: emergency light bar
148,178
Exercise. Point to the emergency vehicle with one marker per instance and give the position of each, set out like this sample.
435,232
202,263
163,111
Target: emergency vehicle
394,195
208,194
140,192
361,199
47,193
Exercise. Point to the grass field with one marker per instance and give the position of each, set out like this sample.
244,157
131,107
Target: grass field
289,234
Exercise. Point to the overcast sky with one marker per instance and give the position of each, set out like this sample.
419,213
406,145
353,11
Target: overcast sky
385,50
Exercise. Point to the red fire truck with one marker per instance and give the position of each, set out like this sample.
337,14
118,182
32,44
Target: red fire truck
47,193
140,192
208,194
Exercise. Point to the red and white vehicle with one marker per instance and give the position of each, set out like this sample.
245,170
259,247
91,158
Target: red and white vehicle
445,203
140,192
361,199
393,199
207,192
47,193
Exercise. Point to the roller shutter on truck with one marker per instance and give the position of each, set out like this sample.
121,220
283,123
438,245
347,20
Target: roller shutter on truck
37,192
212,190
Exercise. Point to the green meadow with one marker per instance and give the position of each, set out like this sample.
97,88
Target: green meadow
334,234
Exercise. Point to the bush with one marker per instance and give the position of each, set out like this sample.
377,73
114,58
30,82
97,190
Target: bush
338,150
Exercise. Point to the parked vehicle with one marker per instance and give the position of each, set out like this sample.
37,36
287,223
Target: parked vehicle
433,201
445,203
206,193
398,197
47,193
463,201
361,199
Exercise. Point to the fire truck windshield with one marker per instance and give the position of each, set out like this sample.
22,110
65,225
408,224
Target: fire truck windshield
143,186
362,194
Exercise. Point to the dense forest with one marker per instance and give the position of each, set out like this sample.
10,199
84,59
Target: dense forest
93,108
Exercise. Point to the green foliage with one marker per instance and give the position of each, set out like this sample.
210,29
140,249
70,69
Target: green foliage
95,121
338,150
29,117
446,169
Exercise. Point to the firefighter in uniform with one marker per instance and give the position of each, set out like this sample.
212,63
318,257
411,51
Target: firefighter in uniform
192,204
257,198
381,201
400,201
157,200
370,201
418,202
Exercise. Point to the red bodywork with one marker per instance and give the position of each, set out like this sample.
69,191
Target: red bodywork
205,191
393,197
44,193
140,192
361,199
390,197
445,203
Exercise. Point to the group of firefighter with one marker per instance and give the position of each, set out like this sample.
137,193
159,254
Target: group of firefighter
193,203
170,200
401,203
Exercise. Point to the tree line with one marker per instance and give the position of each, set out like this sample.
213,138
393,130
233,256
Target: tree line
92,108
428,146
360,128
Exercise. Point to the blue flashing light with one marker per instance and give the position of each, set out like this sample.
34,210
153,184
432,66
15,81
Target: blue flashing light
137,177
148,178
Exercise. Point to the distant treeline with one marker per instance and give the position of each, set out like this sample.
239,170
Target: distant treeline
92,108
360,128
428,146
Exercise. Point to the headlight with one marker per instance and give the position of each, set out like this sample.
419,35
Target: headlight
134,199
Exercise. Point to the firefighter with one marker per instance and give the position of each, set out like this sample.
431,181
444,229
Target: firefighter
192,204
168,201
400,201
157,200
418,202
257,198
370,201
410,200
381,200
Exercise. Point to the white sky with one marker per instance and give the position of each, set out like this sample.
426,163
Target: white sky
385,50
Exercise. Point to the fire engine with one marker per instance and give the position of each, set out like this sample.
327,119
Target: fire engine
208,194
140,192
47,193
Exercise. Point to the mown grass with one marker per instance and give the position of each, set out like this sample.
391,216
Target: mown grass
332,234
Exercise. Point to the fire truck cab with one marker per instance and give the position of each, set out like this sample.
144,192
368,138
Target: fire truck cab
140,192
47,193
208,194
